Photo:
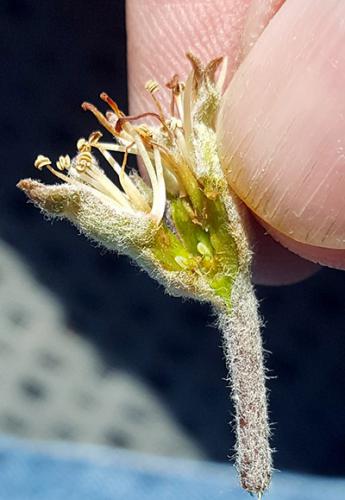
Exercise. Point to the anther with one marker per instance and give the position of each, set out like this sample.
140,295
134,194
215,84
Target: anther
144,132
112,104
63,163
174,123
42,161
175,85
86,106
152,86
177,88
94,137
83,145
83,161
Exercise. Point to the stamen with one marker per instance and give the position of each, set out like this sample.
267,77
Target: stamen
94,177
186,178
153,87
182,145
175,85
112,104
145,158
159,197
179,105
187,113
94,137
100,117
83,161
130,189
174,123
112,119
170,171
88,174
42,161
124,119
125,157
177,89
61,176
83,145
116,167
108,146
63,163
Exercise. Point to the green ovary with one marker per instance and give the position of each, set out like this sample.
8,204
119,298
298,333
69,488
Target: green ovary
201,245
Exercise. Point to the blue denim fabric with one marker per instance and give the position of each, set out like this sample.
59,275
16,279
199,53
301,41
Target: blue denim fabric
52,471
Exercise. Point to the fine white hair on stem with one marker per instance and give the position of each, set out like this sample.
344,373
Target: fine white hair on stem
244,359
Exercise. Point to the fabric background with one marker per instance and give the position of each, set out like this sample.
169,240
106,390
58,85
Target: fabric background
57,471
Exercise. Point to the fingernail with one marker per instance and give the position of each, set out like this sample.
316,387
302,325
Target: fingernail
282,124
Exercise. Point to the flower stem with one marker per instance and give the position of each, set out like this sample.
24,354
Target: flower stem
244,359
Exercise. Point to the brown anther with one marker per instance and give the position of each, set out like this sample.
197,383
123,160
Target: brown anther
100,117
175,85
104,96
94,137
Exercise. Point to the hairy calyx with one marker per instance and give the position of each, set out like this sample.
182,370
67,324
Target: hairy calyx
181,224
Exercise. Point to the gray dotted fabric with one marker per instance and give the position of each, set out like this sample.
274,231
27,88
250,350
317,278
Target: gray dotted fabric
53,384
91,349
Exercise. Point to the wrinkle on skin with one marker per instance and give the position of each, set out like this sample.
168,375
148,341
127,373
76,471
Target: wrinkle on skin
160,32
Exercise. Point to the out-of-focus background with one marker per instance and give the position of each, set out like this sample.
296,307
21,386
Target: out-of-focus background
92,350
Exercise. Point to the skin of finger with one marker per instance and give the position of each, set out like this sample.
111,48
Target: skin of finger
283,129
258,16
272,260
159,32
331,257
